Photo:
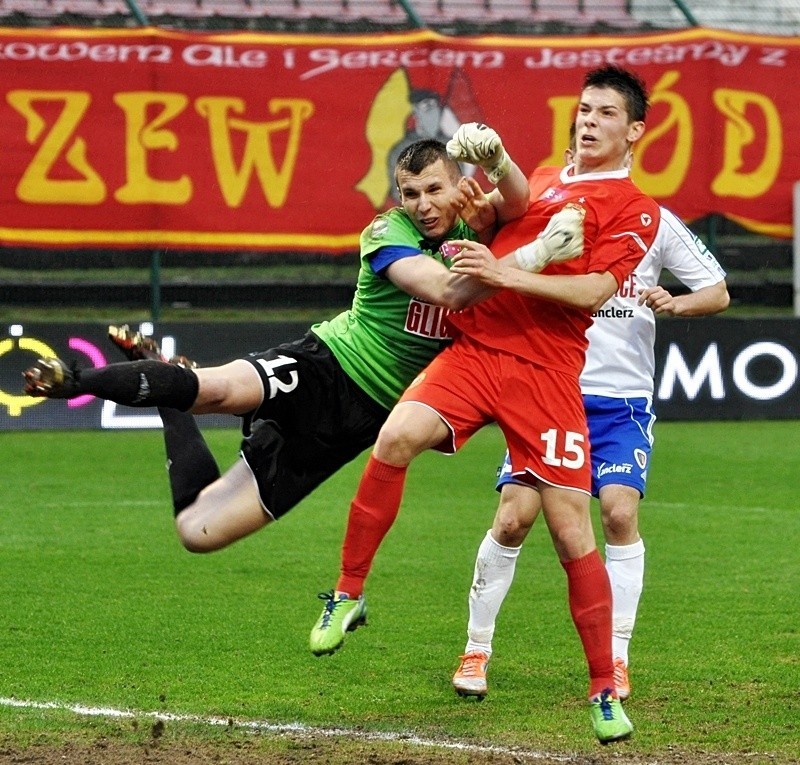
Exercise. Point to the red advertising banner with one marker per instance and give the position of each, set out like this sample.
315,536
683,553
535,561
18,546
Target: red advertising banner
150,138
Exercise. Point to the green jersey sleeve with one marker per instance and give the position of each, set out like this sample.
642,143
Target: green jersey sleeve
388,336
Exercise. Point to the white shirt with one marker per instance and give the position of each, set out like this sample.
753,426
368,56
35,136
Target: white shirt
620,359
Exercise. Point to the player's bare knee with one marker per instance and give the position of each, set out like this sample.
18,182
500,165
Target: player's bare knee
398,444
619,522
510,530
193,533
409,431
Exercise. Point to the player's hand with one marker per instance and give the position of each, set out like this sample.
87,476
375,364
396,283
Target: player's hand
474,207
480,145
562,239
659,300
476,260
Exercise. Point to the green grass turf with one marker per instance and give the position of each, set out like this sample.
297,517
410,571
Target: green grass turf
101,606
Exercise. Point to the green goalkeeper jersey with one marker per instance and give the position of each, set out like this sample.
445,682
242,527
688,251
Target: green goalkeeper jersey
388,336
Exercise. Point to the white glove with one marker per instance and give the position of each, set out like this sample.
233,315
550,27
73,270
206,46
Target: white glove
562,239
480,145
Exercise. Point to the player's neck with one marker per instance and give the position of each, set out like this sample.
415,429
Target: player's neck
603,167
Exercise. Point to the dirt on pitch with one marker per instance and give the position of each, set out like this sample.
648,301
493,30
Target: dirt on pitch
257,750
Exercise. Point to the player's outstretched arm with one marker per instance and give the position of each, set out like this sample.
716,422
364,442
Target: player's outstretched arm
428,279
584,291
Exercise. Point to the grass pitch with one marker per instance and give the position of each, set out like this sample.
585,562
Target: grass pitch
103,608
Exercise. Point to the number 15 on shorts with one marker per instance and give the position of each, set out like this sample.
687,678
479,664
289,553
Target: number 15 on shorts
563,449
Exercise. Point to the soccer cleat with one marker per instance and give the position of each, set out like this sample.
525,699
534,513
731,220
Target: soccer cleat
137,346
50,378
608,717
470,677
340,615
134,345
183,361
621,680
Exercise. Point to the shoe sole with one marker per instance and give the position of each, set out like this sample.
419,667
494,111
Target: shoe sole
355,624
614,739
468,694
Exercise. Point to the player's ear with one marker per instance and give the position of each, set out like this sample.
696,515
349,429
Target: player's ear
635,131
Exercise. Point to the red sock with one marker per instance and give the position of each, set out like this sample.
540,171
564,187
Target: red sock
590,606
372,514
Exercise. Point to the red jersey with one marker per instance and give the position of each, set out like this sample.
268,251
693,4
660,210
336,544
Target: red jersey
619,228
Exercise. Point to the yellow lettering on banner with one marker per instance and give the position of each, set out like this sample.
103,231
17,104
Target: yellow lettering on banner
141,138
739,133
258,153
36,186
563,111
666,182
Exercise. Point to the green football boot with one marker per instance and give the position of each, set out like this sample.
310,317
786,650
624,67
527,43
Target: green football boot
608,718
340,615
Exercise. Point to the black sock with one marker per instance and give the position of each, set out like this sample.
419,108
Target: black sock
190,464
141,383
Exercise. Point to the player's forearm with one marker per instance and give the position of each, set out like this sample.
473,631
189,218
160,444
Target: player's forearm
704,302
463,291
585,291
512,195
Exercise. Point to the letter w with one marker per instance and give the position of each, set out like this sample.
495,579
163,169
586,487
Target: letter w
258,154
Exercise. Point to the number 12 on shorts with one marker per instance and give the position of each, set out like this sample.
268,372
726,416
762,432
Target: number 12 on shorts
275,385
572,453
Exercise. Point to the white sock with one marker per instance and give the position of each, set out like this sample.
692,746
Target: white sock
494,572
625,566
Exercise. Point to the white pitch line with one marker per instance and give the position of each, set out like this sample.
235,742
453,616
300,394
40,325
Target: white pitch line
104,503
721,508
296,729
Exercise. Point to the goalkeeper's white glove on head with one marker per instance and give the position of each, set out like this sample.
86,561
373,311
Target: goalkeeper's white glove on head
562,239
480,145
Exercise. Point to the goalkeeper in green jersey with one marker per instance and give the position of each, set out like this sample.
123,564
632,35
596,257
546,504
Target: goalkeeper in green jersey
312,405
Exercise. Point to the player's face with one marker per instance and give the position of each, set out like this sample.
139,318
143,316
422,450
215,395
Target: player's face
427,199
603,134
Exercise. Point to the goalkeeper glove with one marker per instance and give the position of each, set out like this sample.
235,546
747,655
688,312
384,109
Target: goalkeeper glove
562,239
480,145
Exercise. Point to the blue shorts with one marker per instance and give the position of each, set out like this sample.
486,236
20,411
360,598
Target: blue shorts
621,438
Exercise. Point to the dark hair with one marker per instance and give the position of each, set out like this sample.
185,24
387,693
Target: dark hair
421,154
628,84
424,95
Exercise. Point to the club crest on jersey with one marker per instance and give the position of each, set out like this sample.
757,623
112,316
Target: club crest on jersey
379,227
641,458
426,320
552,195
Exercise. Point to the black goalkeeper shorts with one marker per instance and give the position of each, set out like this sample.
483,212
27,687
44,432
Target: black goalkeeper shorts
314,419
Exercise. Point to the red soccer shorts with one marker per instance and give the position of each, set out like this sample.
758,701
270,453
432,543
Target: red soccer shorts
539,410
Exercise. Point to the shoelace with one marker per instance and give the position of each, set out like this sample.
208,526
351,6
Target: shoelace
605,705
619,674
330,607
472,665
